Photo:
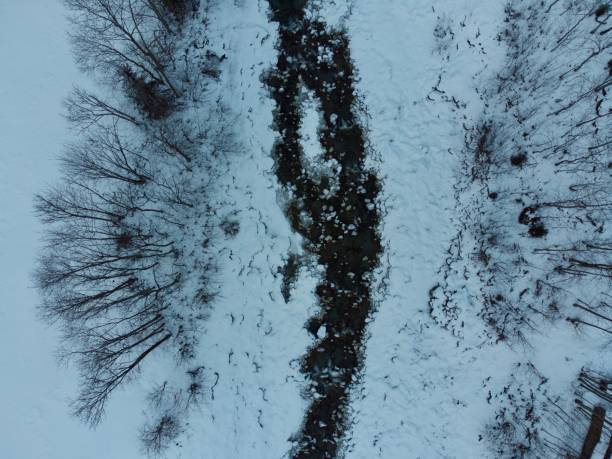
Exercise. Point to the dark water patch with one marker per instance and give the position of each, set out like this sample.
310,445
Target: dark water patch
340,228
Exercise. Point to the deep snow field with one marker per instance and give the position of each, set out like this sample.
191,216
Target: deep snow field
429,382
38,72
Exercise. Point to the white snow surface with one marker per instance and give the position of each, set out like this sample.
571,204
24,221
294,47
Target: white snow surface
423,392
252,341
37,73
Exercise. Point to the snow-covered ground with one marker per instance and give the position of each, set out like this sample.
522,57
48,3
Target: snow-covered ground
423,393
37,73
431,385
253,336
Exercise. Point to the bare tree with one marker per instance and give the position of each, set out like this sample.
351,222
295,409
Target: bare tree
85,109
119,33
111,270
104,155
106,274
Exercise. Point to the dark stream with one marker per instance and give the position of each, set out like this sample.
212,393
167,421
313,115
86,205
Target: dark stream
341,229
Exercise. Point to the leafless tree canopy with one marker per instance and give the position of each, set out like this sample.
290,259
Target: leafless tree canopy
159,435
103,154
112,264
85,109
103,276
118,33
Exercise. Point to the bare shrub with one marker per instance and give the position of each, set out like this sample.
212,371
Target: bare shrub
159,435
147,94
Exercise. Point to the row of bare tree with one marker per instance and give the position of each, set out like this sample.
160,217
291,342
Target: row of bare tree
539,175
112,264
543,157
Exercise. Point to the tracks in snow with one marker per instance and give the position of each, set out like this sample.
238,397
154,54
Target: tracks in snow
340,228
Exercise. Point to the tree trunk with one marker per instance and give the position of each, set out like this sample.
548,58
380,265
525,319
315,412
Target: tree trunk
594,433
609,449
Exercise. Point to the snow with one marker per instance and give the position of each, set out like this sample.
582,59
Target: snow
37,73
251,342
422,394
425,391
